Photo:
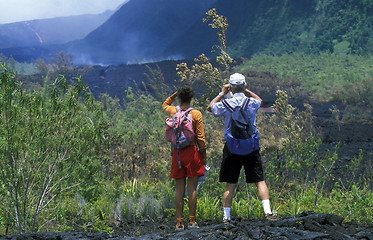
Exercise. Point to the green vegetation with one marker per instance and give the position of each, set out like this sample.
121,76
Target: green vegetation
72,163
345,79
69,162
310,26
20,68
49,143
329,77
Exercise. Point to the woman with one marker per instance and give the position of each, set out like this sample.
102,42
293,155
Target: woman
192,158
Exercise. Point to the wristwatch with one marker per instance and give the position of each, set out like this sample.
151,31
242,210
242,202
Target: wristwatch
221,94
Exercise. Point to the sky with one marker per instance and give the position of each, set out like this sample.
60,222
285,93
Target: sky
23,10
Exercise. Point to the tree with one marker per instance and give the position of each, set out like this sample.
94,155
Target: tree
203,72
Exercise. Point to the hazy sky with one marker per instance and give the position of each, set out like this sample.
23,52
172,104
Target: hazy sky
21,10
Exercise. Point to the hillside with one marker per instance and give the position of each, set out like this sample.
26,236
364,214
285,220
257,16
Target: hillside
310,26
140,31
279,27
176,31
58,30
149,31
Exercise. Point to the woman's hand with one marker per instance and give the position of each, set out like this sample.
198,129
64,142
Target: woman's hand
174,95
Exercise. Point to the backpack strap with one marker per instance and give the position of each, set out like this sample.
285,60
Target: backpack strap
186,110
244,104
226,104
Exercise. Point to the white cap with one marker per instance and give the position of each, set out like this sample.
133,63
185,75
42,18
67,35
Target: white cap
237,79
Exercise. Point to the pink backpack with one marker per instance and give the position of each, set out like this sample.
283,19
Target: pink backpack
179,128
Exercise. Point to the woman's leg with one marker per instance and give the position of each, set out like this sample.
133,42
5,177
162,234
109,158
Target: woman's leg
180,190
192,195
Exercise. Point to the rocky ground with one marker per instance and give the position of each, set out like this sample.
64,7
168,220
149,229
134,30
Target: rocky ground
352,138
308,225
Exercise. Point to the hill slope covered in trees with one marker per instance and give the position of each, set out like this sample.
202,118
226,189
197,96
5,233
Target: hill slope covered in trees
255,26
147,31
278,27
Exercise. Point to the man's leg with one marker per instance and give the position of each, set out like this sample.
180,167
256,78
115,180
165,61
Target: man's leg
228,198
229,173
263,194
228,194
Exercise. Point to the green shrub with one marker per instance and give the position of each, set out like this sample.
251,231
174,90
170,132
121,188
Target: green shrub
50,142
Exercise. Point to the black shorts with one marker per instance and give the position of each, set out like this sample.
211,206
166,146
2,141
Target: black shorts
232,164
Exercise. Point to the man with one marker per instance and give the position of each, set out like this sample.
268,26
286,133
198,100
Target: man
232,163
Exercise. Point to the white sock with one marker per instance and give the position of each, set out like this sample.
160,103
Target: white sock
266,206
227,213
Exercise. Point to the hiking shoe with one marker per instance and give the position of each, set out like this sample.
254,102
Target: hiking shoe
272,216
192,225
179,227
228,221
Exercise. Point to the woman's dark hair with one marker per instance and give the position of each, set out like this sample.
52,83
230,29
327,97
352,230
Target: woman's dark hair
185,94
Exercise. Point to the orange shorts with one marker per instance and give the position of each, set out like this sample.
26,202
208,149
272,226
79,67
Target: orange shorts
191,163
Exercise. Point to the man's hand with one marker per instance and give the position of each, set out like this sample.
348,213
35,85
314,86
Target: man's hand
226,88
251,94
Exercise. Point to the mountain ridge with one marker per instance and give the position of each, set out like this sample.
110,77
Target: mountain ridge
56,30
